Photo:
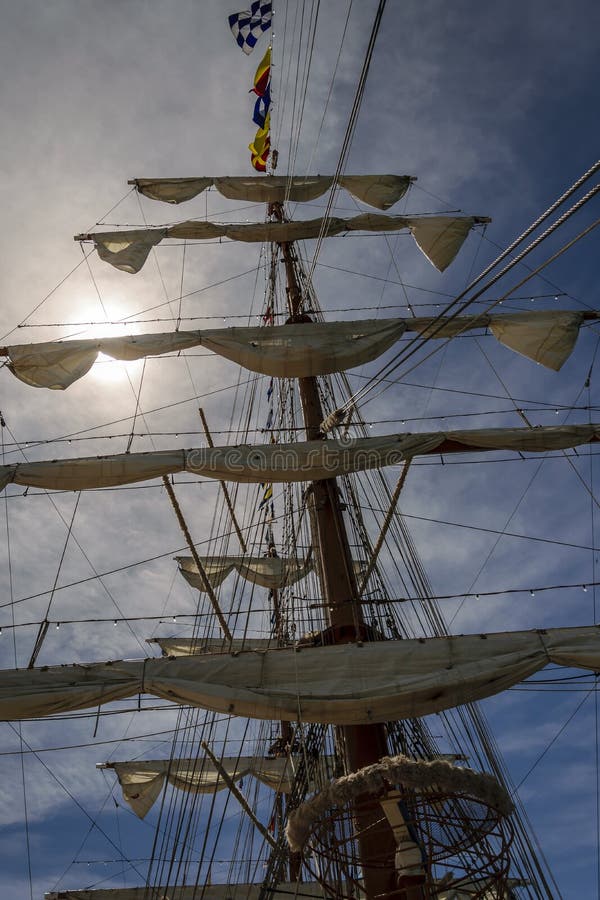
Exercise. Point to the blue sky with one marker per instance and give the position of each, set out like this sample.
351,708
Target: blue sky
494,108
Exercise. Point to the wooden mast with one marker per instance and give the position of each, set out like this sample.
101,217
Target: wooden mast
363,744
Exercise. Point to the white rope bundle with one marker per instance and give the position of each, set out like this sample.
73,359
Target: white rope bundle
420,775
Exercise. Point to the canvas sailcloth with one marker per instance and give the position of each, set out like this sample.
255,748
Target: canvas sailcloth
284,891
143,780
189,646
299,350
345,684
285,463
271,572
379,191
438,237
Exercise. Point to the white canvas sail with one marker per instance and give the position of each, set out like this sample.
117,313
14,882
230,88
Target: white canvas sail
439,237
284,351
466,890
285,891
546,336
185,646
299,350
57,364
285,463
129,250
143,780
380,191
305,349
347,684
273,572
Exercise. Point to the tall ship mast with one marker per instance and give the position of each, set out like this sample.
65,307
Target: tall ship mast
324,737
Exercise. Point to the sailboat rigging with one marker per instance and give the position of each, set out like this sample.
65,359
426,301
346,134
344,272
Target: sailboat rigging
325,736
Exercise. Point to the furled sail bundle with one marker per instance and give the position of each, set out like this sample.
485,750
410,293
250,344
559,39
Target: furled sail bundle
272,572
547,336
188,646
286,463
284,891
143,780
438,237
341,684
465,890
284,351
379,191
299,350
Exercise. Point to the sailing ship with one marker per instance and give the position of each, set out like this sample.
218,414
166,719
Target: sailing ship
326,740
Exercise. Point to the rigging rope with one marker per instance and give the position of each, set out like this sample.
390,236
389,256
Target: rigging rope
19,728
417,343
44,625
348,136
456,307
71,796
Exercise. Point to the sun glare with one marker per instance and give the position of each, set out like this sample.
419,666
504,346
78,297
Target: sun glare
106,368
113,370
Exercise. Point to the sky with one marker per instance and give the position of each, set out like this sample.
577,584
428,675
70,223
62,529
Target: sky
493,108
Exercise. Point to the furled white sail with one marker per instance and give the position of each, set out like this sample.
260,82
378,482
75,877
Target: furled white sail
172,190
302,461
129,250
271,572
143,780
466,890
546,336
284,351
343,684
380,191
439,237
284,891
305,349
57,364
185,646
299,350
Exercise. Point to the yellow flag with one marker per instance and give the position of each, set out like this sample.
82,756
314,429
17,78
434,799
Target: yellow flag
263,74
260,146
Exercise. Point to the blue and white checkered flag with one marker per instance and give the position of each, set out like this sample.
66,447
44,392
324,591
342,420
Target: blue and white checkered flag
248,25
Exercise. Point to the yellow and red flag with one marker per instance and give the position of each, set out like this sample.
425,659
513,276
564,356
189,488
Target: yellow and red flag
261,146
262,76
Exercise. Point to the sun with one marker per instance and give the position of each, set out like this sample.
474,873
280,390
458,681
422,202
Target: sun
106,369
112,371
